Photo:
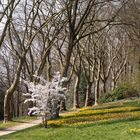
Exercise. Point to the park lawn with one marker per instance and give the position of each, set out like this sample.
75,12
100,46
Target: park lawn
105,122
16,121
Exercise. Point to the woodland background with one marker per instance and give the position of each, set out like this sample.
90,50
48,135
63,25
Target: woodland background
94,43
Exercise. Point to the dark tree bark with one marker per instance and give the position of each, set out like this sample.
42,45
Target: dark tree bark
88,94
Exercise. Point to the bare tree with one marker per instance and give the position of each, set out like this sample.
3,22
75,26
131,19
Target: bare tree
6,13
20,46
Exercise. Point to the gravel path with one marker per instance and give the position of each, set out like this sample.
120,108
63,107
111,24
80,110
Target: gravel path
19,127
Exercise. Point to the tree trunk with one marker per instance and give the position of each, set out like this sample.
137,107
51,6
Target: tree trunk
12,107
97,82
7,116
96,92
113,84
44,120
63,106
11,90
49,66
17,104
55,110
104,86
76,95
88,94
67,61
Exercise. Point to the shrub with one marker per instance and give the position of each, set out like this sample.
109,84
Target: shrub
107,97
46,97
121,92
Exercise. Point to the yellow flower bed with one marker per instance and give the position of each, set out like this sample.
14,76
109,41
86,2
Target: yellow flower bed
134,130
87,111
92,116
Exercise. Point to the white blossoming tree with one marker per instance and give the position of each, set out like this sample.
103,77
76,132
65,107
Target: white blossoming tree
46,97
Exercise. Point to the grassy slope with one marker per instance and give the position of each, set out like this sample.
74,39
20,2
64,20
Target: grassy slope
114,121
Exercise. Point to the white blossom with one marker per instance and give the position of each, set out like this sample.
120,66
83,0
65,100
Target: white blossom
46,96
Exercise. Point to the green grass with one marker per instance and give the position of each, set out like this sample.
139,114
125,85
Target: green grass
114,131
16,121
122,122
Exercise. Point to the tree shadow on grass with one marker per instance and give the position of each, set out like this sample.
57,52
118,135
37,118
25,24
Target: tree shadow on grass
108,122
99,113
92,123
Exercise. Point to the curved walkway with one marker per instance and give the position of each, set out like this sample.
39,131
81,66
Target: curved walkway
19,127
